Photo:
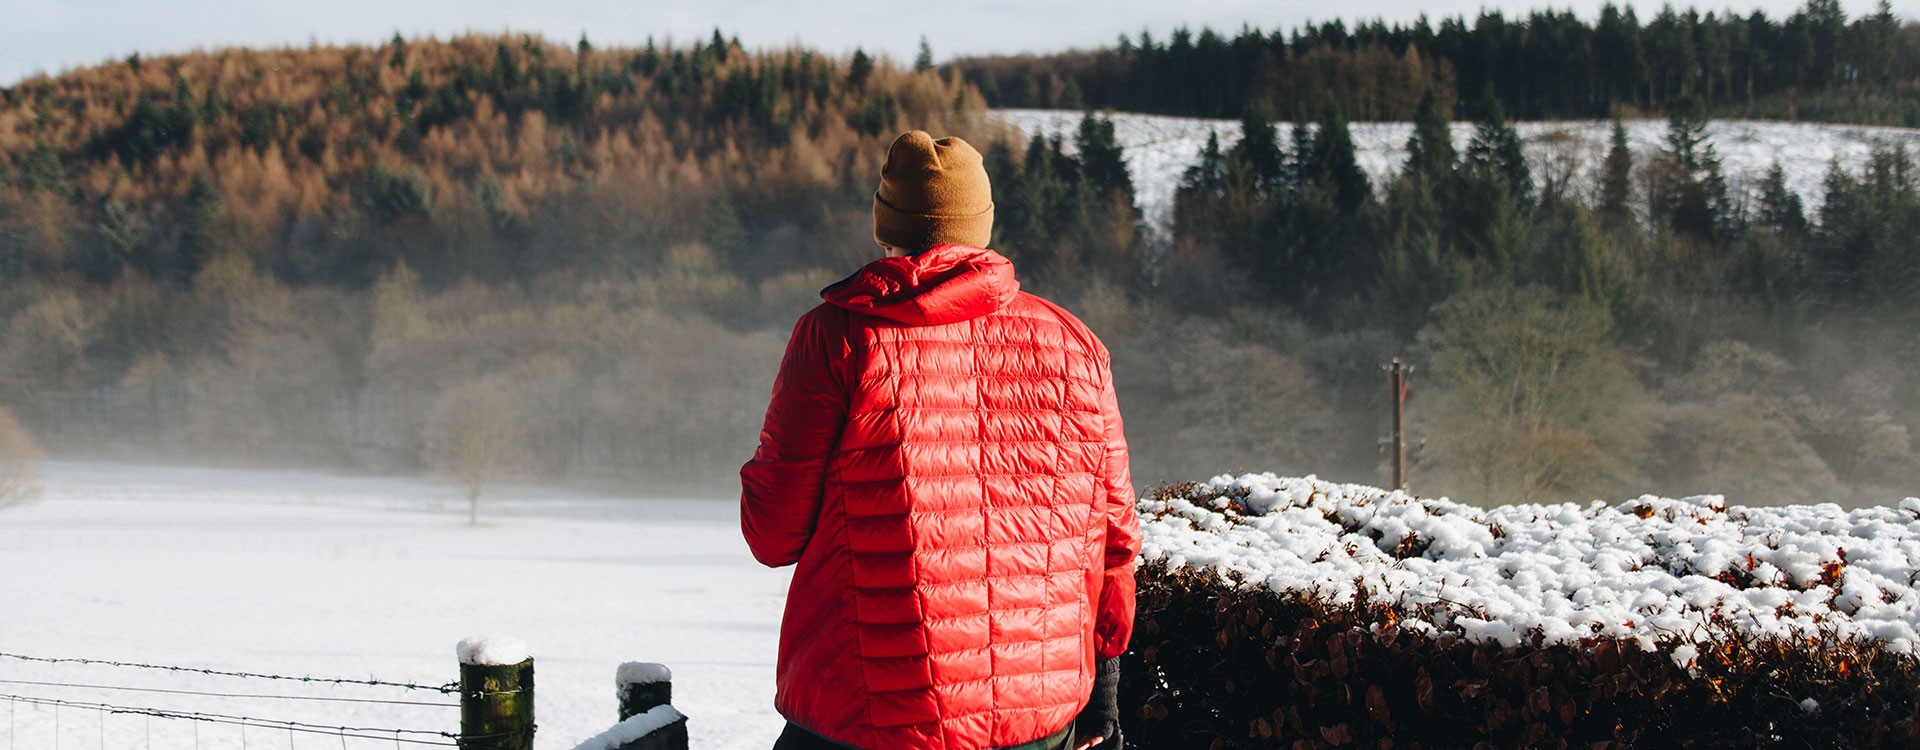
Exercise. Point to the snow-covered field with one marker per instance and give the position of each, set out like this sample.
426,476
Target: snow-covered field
1650,570
307,574
300,573
1160,148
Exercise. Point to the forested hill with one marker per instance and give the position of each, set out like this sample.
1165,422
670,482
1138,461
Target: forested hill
330,163
588,260
333,255
1816,64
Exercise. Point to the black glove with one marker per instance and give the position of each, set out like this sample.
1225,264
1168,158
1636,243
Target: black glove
1102,715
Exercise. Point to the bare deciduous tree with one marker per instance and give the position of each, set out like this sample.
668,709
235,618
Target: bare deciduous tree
1531,400
476,439
19,463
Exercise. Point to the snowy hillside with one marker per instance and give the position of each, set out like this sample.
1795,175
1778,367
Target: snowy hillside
299,573
1649,570
1160,148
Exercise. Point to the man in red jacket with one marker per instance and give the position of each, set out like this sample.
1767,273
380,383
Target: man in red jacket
943,460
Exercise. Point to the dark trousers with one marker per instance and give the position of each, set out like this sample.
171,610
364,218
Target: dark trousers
796,738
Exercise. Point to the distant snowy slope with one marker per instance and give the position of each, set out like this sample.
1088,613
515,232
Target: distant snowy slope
1648,570
1160,148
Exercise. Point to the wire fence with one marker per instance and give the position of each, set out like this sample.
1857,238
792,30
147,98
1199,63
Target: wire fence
61,712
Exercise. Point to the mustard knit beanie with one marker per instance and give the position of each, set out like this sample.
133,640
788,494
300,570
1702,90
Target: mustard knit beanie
932,192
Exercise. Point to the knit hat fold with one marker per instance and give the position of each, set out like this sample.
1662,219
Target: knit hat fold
932,193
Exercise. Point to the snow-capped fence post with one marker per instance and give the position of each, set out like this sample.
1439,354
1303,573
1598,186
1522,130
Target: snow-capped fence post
496,695
646,710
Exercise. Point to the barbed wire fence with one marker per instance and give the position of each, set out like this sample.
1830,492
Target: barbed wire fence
41,710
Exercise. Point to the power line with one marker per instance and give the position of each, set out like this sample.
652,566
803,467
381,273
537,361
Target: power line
450,687
229,695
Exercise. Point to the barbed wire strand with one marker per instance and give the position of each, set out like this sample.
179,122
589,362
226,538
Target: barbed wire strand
273,696
249,721
451,687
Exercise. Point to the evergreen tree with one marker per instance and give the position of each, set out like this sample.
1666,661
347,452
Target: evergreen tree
859,70
1335,165
1102,163
397,59
201,228
1495,149
1568,255
1038,196
923,61
1616,178
1690,191
1864,251
1417,267
1779,207
1259,148
1208,174
43,172
1430,155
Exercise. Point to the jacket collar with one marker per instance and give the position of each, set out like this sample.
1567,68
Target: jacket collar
945,284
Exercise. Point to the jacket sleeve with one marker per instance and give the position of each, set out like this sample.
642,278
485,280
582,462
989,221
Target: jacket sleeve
782,487
1113,627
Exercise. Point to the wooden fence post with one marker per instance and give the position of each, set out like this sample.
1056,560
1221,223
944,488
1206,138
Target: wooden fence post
646,689
496,695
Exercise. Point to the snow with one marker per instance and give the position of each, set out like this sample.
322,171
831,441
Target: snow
308,574
1159,149
633,728
1652,570
491,651
641,673
302,573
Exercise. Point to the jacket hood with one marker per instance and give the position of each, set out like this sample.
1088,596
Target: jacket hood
946,284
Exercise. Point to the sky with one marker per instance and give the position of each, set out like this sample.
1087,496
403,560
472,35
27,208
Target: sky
54,35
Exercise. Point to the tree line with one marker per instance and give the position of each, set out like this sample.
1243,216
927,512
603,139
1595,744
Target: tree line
581,265
1815,64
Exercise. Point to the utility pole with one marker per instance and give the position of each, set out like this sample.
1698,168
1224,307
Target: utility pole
1397,376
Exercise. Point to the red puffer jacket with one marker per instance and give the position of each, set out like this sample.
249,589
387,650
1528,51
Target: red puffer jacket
943,458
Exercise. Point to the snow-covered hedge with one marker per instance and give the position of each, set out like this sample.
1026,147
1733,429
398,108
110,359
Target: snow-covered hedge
1648,570
1281,610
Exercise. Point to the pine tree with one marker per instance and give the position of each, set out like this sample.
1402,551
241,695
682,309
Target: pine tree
1417,267
1430,155
1102,163
1616,178
923,62
859,70
200,233
1259,149
1038,195
1335,164
1690,191
1495,149
1779,208
1207,174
